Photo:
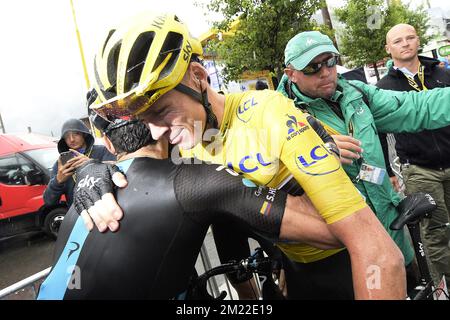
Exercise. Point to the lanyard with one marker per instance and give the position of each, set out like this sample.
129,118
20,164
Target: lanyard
420,76
74,175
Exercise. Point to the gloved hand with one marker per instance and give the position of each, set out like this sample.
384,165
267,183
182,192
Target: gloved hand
93,194
329,143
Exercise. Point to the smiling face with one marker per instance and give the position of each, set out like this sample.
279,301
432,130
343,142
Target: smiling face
318,85
402,43
174,116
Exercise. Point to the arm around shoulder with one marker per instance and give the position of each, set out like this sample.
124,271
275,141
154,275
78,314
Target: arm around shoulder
411,111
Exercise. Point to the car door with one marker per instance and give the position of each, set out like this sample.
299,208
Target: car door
17,196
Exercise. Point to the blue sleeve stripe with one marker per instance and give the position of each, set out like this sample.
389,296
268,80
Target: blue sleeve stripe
124,165
56,284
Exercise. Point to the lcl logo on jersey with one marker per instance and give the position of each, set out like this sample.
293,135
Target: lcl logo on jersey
309,163
248,164
295,127
245,110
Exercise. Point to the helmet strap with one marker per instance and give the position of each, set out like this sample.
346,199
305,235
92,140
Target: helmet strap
211,118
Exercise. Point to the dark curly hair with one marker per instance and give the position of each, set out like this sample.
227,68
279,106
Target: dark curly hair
130,137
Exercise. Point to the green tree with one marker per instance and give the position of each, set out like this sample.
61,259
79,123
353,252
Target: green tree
264,28
366,24
400,13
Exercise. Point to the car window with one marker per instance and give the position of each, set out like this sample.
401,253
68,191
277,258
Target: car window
45,157
13,169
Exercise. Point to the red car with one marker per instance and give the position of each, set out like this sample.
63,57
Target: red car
25,166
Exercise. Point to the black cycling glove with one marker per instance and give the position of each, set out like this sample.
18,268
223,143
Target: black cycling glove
326,138
94,179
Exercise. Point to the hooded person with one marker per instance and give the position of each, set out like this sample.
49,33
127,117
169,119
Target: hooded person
74,136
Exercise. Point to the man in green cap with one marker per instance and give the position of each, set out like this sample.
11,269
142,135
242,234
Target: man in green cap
354,112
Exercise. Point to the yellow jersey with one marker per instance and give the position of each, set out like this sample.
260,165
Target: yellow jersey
267,139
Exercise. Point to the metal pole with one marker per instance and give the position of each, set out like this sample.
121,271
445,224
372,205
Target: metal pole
227,282
207,266
1,124
24,283
327,21
80,46
94,130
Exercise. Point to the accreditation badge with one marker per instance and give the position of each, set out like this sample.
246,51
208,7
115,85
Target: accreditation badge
371,174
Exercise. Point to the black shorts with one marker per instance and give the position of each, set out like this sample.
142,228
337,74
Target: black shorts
326,279
232,244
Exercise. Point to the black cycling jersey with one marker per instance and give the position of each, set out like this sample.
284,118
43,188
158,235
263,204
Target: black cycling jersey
167,210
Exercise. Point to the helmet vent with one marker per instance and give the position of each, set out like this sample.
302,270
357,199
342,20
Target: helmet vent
137,59
112,63
107,39
173,44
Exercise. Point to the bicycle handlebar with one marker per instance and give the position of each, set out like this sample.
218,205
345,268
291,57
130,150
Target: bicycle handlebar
440,226
256,263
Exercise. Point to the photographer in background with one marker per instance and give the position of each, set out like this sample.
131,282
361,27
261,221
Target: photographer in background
76,146
261,85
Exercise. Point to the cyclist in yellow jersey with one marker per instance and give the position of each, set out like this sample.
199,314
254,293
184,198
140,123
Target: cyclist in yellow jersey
151,69
273,145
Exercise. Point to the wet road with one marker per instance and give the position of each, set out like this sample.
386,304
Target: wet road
22,257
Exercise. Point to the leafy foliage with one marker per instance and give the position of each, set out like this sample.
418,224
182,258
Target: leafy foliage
264,28
366,24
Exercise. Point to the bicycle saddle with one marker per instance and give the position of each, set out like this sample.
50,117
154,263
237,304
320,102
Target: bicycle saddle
413,208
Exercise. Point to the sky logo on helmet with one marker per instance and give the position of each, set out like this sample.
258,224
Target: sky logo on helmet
187,50
312,162
295,127
159,22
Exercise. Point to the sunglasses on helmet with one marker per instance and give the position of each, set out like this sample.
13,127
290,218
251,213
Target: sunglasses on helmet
107,124
135,101
313,68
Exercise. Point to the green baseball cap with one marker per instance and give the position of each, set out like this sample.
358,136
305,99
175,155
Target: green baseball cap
305,46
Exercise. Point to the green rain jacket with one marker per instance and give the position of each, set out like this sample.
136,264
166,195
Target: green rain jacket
388,111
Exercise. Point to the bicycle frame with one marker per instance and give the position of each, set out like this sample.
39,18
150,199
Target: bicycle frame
426,282
425,277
